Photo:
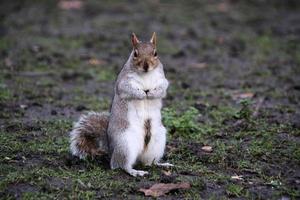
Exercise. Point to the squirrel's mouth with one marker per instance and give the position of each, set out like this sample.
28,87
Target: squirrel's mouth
146,66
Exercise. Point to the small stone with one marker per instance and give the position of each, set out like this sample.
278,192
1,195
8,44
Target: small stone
23,106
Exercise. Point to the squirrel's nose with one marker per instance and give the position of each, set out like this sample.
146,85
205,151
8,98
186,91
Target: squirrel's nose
146,66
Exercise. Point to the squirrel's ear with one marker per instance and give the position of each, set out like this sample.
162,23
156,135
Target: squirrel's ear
153,39
134,40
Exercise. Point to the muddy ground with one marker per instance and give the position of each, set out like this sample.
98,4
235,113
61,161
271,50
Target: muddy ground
234,70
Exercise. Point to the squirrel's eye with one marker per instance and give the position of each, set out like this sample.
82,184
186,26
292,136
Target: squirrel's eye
155,54
135,54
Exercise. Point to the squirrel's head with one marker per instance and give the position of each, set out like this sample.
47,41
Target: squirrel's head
144,54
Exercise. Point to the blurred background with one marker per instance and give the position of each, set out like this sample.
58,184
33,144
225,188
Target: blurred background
71,51
233,66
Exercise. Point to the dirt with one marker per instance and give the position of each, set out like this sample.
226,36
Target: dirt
59,63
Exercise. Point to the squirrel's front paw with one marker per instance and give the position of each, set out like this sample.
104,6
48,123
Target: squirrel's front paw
151,93
155,93
141,94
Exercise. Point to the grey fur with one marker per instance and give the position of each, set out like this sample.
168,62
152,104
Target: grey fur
124,93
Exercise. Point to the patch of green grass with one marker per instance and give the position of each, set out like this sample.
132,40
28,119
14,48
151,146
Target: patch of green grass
5,43
183,125
166,47
59,43
5,93
52,139
102,74
234,190
9,143
261,147
220,113
245,112
296,153
265,43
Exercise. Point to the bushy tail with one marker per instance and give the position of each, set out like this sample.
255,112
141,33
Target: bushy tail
89,135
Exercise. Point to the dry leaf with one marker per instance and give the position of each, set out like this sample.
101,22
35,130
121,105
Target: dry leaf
8,62
167,173
7,158
223,7
220,40
23,106
207,149
171,148
237,177
160,189
69,5
199,65
245,95
94,61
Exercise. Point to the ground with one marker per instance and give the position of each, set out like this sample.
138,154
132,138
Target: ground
234,76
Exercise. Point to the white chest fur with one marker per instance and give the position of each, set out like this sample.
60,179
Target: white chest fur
140,113
151,79
141,110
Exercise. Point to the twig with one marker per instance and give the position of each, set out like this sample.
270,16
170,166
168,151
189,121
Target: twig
258,106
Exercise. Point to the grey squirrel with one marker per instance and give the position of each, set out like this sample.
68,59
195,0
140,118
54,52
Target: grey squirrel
133,131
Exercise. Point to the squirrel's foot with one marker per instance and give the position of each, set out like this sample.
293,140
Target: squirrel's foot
163,164
135,173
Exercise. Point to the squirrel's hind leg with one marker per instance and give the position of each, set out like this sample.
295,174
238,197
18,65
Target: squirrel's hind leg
126,164
125,157
134,172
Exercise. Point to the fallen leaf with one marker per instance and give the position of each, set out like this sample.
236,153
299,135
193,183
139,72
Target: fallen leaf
237,177
23,106
167,173
207,149
8,62
7,158
70,5
220,40
160,189
223,7
246,95
94,61
171,148
199,65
